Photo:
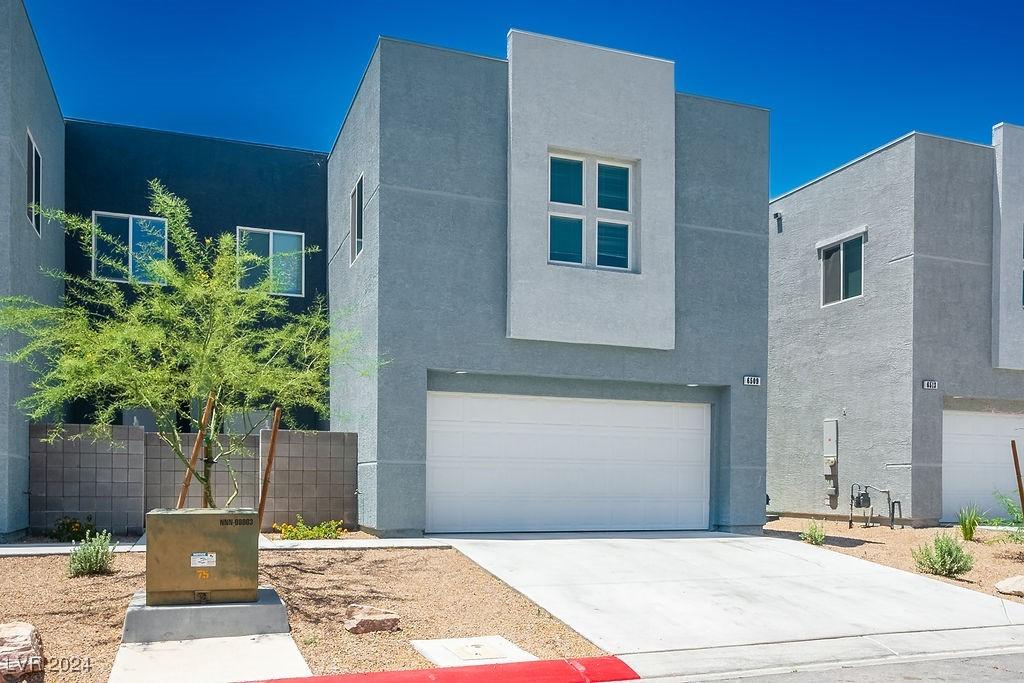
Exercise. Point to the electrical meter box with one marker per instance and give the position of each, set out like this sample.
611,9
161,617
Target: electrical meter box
201,555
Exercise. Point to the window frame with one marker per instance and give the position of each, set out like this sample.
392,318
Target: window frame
842,269
582,263
629,185
131,247
270,256
35,218
583,178
356,232
629,244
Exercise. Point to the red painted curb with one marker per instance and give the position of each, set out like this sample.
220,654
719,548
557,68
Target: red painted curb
583,670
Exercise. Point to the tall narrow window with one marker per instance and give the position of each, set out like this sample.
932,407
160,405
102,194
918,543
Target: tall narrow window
281,258
33,184
356,218
842,271
127,247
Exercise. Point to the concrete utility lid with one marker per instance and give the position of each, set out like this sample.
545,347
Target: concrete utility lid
471,651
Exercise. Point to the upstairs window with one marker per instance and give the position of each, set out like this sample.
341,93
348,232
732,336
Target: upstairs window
613,187
356,219
282,255
126,246
842,267
33,184
566,181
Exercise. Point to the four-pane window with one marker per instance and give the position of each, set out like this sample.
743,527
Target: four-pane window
126,246
591,216
842,267
282,260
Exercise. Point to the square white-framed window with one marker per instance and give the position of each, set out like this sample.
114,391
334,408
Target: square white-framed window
356,221
131,243
842,271
33,183
566,239
283,259
614,186
613,245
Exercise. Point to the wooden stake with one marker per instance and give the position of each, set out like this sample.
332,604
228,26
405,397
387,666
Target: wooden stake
270,464
195,450
1016,467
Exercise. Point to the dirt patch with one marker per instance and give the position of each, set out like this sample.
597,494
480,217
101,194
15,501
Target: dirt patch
438,594
994,558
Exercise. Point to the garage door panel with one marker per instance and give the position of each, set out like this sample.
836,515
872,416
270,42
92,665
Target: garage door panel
529,463
977,461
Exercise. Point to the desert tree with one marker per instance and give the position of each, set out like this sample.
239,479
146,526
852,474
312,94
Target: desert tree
164,331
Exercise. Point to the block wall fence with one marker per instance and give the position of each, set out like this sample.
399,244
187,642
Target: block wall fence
116,480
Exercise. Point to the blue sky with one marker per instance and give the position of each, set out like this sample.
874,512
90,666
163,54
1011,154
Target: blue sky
840,77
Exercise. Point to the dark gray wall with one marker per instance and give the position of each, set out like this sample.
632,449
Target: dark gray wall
441,279
226,184
27,102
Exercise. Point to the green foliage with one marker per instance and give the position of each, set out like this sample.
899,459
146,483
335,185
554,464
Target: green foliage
300,531
94,555
968,519
814,533
71,529
167,346
1014,517
944,557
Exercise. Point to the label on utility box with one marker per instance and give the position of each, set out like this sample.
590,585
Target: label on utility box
204,559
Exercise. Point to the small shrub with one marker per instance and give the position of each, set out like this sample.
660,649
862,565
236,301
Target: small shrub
300,531
813,534
1014,517
71,529
968,519
94,555
944,557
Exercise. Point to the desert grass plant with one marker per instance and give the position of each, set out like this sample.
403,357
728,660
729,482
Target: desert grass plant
968,520
943,557
94,555
300,531
165,331
814,533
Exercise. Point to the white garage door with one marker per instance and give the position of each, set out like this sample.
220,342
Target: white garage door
530,463
976,460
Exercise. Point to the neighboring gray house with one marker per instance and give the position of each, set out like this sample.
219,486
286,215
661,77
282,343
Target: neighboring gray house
564,261
31,170
896,324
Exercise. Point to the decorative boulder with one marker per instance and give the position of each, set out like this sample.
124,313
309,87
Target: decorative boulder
1012,586
364,619
21,650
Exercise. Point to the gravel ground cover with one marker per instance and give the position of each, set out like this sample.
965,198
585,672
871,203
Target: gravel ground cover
438,594
994,558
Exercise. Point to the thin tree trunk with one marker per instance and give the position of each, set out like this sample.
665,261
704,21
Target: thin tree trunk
207,474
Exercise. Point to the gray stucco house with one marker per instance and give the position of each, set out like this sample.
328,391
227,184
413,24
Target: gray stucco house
544,247
896,329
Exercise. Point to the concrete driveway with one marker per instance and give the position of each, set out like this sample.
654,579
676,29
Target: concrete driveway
722,597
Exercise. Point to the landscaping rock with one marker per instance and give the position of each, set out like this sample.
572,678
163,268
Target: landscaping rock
1012,586
21,649
365,619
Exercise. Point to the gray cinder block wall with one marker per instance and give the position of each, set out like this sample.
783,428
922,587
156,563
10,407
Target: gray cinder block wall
115,480
27,103
429,133
930,310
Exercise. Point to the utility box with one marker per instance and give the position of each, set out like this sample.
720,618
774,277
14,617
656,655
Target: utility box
201,555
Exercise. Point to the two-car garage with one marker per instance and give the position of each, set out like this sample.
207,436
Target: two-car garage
500,462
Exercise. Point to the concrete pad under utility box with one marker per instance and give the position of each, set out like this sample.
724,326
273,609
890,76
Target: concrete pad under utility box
149,623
